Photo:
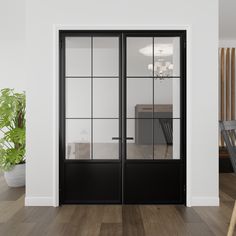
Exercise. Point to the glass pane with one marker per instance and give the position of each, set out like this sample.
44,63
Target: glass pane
106,98
78,139
167,97
105,56
139,97
167,56
139,56
78,56
141,147
167,138
78,98
103,145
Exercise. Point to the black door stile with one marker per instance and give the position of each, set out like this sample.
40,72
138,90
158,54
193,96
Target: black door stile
61,117
122,181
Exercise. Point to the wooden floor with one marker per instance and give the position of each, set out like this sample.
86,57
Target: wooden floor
113,220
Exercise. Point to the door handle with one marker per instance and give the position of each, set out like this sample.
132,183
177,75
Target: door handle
116,138
129,138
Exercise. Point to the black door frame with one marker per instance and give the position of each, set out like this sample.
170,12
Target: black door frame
123,162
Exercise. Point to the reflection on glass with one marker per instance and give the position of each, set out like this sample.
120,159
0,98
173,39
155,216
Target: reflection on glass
78,56
104,147
137,62
105,98
166,56
139,93
78,98
78,139
141,147
105,56
167,97
166,138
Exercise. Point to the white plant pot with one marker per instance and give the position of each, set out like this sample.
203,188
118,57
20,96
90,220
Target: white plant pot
16,176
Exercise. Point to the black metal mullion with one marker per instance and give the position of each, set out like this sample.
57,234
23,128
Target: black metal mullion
153,76
158,118
87,118
183,107
131,118
153,98
95,77
167,77
124,115
120,116
117,77
91,98
129,33
62,126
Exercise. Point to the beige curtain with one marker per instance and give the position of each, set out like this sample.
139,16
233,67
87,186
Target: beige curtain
227,85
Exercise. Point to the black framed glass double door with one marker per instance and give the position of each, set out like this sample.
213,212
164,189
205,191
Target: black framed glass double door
122,117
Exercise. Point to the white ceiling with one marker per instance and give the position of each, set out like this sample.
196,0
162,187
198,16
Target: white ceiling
227,19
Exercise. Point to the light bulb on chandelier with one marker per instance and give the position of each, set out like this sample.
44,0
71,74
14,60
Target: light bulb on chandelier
162,67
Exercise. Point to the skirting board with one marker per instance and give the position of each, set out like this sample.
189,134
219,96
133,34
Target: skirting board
48,201
205,201
39,201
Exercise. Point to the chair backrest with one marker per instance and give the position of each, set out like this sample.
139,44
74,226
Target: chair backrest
166,125
228,130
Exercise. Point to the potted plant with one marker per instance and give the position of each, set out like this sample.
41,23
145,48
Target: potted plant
12,136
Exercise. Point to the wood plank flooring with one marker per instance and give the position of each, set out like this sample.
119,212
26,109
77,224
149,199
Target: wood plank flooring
115,220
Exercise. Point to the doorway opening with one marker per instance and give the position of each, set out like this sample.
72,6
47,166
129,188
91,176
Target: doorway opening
123,117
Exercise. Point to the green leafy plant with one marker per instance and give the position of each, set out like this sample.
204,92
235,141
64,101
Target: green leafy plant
12,128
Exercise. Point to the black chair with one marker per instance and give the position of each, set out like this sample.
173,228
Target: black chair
228,130
167,128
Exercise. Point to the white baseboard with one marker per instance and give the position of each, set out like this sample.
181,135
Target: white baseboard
49,201
39,201
205,201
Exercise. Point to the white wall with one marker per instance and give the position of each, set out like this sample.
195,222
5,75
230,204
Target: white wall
12,44
202,105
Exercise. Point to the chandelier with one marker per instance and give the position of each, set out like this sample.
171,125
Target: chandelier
163,66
